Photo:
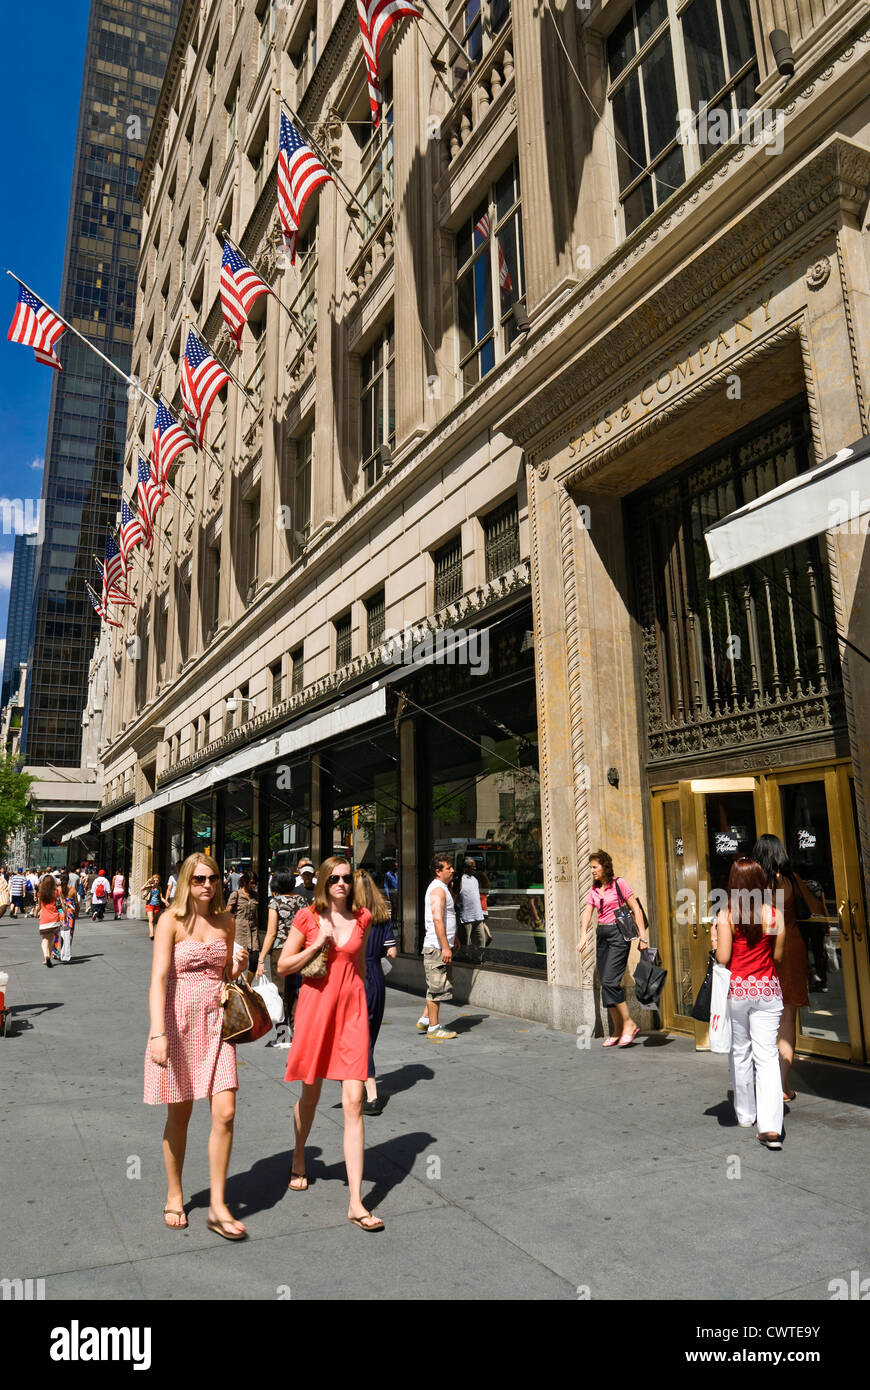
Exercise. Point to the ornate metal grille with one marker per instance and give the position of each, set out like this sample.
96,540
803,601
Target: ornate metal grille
297,671
342,640
501,531
744,659
375,619
448,573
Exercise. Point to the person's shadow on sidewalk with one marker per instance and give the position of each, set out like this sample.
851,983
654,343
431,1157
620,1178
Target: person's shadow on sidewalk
466,1022
724,1112
392,1083
264,1185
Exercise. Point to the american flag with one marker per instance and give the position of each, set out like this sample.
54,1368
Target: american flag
151,495
132,530
482,227
299,173
36,326
168,440
115,566
202,378
240,287
101,608
375,18
112,592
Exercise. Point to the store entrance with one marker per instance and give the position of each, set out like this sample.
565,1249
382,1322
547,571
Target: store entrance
701,825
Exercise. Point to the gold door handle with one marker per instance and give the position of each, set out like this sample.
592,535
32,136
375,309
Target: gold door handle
856,932
840,910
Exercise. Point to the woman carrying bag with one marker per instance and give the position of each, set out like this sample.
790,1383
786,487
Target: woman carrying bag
750,937
618,910
326,945
187,1058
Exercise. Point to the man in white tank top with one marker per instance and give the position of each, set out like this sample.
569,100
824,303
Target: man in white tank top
438,943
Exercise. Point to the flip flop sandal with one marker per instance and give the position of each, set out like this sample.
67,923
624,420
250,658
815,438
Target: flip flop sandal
218,1228
611,1042
168,1211
361,1220
626,1041
298,1177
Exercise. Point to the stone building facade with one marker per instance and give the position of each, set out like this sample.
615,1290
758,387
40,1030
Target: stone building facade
569,326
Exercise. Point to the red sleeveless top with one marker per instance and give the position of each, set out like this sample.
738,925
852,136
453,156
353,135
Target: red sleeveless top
753,971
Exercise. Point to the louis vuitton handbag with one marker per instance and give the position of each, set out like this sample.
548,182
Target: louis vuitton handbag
246,1017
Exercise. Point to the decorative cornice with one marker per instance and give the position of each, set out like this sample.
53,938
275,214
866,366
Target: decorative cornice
837,174
332,62
483,601
174,64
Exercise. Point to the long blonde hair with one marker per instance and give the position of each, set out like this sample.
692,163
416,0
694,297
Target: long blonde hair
321,902
182,907
366,893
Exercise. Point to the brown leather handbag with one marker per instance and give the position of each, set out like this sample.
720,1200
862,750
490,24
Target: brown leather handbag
316,967
246,1017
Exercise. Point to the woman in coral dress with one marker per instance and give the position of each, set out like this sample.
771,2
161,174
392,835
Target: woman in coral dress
186,1058
331,1032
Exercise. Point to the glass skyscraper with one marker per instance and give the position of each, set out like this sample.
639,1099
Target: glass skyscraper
127,50
18,621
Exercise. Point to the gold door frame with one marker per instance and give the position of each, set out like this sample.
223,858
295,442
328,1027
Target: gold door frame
768,818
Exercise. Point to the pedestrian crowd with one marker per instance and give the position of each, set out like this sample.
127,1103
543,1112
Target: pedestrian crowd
329,940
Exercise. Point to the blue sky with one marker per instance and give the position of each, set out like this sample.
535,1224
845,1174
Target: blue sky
41,68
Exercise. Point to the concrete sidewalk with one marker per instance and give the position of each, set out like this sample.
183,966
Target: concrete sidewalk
512,1163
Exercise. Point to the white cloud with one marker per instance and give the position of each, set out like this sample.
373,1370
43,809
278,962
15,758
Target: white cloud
38,464
5,569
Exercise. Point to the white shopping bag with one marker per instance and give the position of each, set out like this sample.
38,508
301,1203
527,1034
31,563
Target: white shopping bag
65,943
720,1010
271,997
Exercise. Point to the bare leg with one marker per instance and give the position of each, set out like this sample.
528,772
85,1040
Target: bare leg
620,1018
303,1119
787,1037
220,1143
371,1088
174,1148
432,1007
354,1144
45,944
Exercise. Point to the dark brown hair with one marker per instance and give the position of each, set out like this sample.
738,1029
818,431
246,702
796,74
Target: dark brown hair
48,889
606,863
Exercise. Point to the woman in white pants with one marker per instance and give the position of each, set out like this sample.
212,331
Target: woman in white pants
751,939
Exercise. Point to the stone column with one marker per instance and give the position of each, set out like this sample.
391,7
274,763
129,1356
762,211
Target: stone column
271,545
553,136
325,471
838,323
413,166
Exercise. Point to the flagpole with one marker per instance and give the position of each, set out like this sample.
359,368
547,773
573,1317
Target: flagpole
327,161
443,27
287,310
205,340
131,381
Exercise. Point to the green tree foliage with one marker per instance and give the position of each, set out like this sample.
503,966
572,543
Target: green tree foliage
16,812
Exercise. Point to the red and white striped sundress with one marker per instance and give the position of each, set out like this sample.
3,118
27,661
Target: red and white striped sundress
200,1062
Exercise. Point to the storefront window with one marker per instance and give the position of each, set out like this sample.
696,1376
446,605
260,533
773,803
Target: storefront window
287,787
238,800
363,786
484,803
201,841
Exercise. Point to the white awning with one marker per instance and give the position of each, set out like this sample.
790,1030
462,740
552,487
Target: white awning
73,834
833,494
314,730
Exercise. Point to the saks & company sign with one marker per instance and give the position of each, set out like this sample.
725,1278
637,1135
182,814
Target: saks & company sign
708,355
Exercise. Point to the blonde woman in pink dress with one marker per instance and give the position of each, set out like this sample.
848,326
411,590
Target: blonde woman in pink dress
186,1058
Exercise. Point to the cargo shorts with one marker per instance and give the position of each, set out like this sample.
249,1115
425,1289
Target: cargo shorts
439,976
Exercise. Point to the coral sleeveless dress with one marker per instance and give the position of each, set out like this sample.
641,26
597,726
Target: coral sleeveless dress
331,1027
200,1062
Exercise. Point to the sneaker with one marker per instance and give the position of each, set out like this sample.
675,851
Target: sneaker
439,1034
422,1025
770,1141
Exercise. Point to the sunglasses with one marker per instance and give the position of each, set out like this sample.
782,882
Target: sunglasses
202,879
339,878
